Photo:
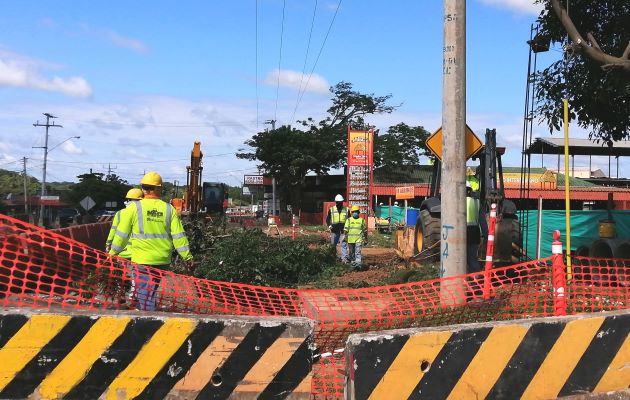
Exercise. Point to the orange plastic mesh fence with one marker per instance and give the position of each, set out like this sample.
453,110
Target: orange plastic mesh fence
40,268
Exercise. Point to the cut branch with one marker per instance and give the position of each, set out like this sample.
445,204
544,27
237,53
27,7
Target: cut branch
592,51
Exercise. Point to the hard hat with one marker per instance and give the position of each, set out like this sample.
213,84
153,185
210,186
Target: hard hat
134,194
338,197
468,185
151,179
355,208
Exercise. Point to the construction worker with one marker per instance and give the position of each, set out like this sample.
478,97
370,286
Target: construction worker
155,229
134,194
473,230
336,218
355,230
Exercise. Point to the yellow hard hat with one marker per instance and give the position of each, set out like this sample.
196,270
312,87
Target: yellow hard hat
134,194
355,208
151,179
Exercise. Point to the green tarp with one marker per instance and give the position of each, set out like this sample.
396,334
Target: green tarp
584,228
398,213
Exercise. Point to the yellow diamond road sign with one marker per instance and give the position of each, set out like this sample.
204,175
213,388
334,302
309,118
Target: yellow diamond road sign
473,143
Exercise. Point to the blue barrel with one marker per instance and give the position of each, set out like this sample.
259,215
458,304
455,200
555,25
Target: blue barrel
412,216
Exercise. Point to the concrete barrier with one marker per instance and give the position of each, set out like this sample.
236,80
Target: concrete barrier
47,355
528,359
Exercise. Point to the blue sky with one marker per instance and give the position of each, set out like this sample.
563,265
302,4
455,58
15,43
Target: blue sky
140,81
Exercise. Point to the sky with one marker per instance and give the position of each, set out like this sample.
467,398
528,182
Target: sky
140,81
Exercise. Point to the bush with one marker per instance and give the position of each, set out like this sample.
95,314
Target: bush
250,256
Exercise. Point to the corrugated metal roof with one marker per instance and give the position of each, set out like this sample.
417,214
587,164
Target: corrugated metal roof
584,147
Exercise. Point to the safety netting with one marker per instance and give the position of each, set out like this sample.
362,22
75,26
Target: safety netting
43,269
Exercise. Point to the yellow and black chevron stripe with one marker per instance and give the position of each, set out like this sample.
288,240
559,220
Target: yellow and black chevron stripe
540,359
52,356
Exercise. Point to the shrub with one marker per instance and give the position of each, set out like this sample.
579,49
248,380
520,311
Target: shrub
250,256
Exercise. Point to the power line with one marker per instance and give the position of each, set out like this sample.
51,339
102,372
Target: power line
308,47
316,60
47,125
275,113
161,125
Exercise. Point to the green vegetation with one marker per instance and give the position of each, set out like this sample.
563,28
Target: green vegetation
250,256
100,187
377,239
13,182
598,94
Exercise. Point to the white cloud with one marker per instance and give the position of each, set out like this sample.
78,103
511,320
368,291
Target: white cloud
116,39
23,72
70,148
296,80
520,6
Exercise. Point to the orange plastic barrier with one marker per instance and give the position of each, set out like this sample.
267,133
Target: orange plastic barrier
44,269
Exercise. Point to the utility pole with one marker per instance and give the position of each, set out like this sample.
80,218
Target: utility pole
25,190
271,122
453,245
109,169
43,193
273,179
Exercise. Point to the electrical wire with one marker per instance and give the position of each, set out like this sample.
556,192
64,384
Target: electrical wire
308,47
301,95
275,113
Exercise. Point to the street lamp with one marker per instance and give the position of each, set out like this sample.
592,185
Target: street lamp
60,143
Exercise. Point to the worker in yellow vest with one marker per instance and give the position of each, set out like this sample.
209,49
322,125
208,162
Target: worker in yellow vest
134,194
355,230
336,219
473,230
156,230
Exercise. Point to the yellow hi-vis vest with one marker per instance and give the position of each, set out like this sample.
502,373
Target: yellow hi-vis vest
338,217
472,211
126,252
355,229
155,229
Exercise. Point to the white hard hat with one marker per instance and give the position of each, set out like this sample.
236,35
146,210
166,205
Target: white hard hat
338,197
468,185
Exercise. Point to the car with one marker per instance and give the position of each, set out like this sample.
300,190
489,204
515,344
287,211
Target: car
103,213
68,216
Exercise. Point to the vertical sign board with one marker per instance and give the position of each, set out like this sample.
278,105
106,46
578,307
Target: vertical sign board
360,162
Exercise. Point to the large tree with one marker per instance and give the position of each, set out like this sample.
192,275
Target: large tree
594,73
401,145
289,153
100,188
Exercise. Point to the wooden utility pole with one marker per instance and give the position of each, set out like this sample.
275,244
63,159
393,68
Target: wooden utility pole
453,245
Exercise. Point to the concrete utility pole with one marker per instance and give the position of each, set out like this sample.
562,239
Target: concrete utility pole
43,193
453,246
273,179
25,190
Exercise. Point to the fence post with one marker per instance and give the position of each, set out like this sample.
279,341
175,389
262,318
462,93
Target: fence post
559,277
489,251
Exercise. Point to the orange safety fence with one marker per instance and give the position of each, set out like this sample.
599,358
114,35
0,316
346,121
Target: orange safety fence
43,269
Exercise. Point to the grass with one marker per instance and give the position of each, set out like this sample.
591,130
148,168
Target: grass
377,239
314,228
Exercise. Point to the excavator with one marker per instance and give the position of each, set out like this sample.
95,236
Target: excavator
422,242
207,198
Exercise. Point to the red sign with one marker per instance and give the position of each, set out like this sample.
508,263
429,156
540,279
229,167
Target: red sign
404,193
360,160
360,147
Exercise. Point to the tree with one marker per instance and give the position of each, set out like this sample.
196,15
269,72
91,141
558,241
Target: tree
596,83
100,188
288,153
13,182
401,145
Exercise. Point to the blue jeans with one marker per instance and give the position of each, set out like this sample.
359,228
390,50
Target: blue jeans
144,287
336,238
354,250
